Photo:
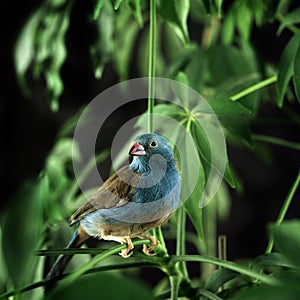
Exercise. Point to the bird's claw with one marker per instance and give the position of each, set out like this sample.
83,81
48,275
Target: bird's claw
125,253
147,249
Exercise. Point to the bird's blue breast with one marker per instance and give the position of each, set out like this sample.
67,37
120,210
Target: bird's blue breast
149,202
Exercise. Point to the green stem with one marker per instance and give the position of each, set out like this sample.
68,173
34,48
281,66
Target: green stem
227,265
83,269
174,284
254,88
276,141
151,65
283,210
180,239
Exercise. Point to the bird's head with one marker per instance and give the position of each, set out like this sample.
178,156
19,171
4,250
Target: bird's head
147,145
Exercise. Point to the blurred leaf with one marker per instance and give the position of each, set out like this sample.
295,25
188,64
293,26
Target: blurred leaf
98,5
117,4
296,77
50,46
101,49
136,8
219,4
264,261
22,231
182,91
175,12
285,67
287,240
124,43
24,49
110,287
238,128
227,29
4,272
223,202
289,19
207,4
218,278
243,20
268,293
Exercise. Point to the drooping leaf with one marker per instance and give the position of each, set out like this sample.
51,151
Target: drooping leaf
124,43
101,49
24,50
288,231
175,12
285,67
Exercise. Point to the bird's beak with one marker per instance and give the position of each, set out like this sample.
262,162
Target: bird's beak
137,150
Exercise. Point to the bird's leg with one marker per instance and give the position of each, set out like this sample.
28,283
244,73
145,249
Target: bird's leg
148,249
122,240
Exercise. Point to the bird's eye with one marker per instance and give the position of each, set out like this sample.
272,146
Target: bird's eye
153,144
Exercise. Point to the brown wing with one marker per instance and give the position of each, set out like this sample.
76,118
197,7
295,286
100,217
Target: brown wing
113,192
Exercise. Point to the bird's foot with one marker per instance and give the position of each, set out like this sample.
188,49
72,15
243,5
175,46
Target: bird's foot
122,240
126,252
148,249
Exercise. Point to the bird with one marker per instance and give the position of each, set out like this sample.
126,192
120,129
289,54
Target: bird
138,197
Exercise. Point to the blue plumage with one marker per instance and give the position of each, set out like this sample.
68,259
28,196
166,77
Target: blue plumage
137,198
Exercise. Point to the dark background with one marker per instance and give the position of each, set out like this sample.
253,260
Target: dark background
29,127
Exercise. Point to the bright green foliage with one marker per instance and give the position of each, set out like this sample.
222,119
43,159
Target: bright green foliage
221,64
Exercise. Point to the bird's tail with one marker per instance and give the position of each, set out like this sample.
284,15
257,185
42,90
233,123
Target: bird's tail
62,261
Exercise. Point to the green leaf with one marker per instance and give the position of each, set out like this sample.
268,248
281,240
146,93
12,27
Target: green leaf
24,49
222,107
207,4
296,77
109,286
227,29
22,231
189,163
218,278
124,43
268,293
219,4
117,4
98,5
101,49
243,20
260,263
237,128
136,8
287,240
175,12
285,67
289,19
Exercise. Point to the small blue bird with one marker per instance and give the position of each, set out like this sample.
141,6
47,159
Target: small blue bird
134,200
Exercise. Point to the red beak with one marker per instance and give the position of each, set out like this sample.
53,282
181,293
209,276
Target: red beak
137,150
